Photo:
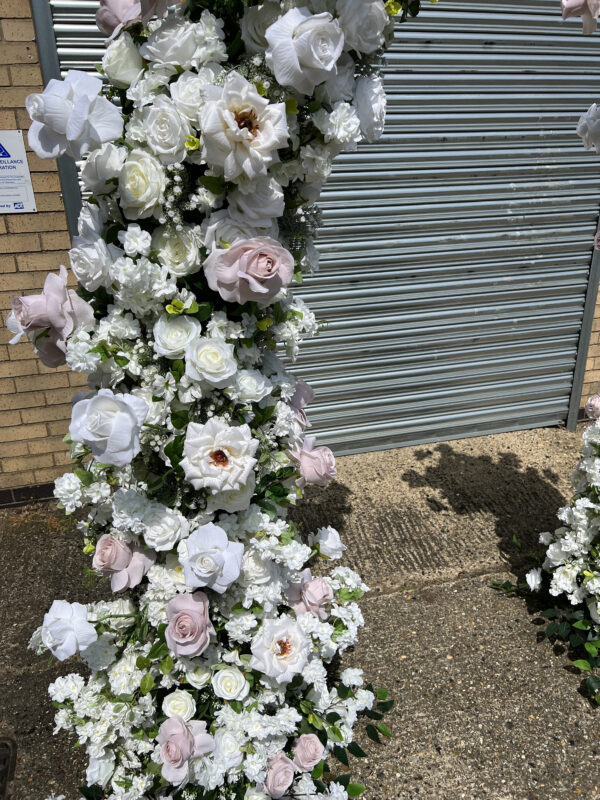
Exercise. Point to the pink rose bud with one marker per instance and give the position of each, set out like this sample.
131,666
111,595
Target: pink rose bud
308,751
126,566
588,10
113,14
310,595
250,270
317,464
189,629
179,741
303,395
280,776
592,407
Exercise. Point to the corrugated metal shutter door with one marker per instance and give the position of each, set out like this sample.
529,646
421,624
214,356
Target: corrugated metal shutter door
455,252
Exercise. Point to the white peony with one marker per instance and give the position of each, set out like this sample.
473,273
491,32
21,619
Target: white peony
166,130
211,360
70,117
363,23
228,751
178,250
340,126
179,704
66,630
109,424
257,571
163,526
101,166
186,90
303,49
241,130
217,456
229,683
135,241
172,334
122,62
141,185
280,649
210,559
371,103
258,208
141,286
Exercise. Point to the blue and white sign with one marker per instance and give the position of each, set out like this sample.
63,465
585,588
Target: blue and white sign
16,191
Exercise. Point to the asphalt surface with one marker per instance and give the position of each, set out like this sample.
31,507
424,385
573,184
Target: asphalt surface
485,707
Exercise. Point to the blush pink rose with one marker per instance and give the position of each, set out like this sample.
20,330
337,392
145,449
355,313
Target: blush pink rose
280,776
179,741
310,595
114,15
48,318
125,565
303,395
189,629
592,407
250,270
588,10
308,751
316,464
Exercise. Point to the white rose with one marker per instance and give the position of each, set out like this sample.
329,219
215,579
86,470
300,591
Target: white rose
229,683
70,117
211,360
91,261
178,250
210,559
172,334
241,131
110,425
218,457
122,62
280,649
185,91
255,22
304,48
141,185
227,748
179,704
329,542
588,128
135,241
363,24
371,104
534,579
251,386
339,85
102,166
163,527
233,500
166,130
100,768
220,230
174,42
198,675
252,793
66,630
210,45
260,207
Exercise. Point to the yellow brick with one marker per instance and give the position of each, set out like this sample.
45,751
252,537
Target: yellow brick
8,480
19,351
49,474
7,119
58,428
31,262
18,30
18,52
37,164
56,241
27,76
42,369
27,462
4,76
77,379
43,413
25,401
20,223
45,182
49,201
12,369
23,122
58,396
51,444
14,8
7,386
15,96
22,432
2,225
13,449
23,282
19,242
9,418
63,458
7,264
39,382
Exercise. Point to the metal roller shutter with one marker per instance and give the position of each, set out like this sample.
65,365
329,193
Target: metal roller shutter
455,252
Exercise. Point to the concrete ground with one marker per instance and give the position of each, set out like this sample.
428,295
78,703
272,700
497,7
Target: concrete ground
485,707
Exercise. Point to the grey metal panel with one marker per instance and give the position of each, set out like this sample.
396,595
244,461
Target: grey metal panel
455,252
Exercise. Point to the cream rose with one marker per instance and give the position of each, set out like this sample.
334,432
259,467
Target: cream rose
166,130
212,360
101,166
179,704
141,185
178,250
172,334
229,683
122,62
363,24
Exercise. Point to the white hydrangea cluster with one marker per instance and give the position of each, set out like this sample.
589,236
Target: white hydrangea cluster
210,671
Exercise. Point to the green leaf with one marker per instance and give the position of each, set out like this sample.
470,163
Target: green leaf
84,476
550,613
343,691
332,717
174,450
335,734
591,648
142,662
177,368
341,755
581,663
343,780
316,721
385,730
203,311
214,183
237,706
180,418
372,733
374,715
551,629
381,694
593,683
158,650
385,707
564,629
356,750
166,665
147,683
91,792
583,625
318,770
291,105
122,361
354,789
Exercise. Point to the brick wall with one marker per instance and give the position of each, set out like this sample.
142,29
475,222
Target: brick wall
592,366
34,400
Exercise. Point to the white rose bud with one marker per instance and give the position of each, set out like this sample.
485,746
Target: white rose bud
211,360
101,166
172,334
141,185
179,704
179,251
230,684
122,62
198,676
363,24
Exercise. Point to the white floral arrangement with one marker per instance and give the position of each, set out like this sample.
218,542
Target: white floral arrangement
211,672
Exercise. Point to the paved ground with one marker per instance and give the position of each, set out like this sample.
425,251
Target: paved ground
486,709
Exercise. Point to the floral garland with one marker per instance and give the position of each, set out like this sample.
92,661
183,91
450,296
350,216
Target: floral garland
205,151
